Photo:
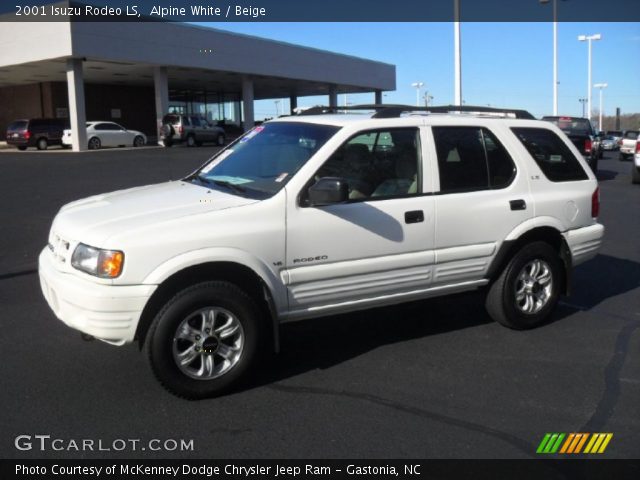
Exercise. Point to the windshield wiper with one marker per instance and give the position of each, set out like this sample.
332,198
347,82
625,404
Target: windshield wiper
229,185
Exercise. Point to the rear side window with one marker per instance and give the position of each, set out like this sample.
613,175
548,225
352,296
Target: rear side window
552,155
471,158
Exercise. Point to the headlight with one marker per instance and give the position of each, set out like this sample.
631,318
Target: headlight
98,262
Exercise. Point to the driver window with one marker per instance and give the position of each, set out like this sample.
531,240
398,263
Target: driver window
377,164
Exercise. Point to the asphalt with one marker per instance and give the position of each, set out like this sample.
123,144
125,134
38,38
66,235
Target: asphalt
431,379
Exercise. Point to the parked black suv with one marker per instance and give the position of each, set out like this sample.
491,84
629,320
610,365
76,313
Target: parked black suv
581,133
37,132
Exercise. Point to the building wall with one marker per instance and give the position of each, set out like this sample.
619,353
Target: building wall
136,104
21,101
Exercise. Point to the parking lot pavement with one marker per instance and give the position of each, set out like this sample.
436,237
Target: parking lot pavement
430,379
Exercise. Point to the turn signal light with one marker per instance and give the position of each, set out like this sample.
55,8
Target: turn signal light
111,264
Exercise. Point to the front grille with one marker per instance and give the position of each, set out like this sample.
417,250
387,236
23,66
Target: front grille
59,247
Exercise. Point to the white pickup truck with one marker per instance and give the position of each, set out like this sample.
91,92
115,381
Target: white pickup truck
318,214
628,144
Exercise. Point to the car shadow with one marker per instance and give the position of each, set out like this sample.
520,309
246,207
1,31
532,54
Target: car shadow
322,343
605,175
603,277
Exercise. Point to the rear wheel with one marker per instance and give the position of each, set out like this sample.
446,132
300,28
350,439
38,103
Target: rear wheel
138,141
191,141
42,144
205,340
94,143
22,148
527,290
220,140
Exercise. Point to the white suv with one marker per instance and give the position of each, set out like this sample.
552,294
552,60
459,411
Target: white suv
318,214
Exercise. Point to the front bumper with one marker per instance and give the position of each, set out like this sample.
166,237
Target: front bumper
106,312
585,242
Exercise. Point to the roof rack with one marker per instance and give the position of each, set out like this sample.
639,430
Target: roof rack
394,111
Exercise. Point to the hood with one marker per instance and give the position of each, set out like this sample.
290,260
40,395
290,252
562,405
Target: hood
94,219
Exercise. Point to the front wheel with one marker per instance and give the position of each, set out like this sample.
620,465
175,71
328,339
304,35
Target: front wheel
191,141
42,144
527,290
220,140
205,340
138,141
94,143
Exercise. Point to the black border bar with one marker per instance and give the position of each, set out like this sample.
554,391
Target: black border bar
222,11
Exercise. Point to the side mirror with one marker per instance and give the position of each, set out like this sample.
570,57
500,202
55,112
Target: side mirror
328,191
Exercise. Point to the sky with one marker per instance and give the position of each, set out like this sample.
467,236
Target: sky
503,64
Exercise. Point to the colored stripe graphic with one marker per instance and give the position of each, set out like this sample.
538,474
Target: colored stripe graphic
574,443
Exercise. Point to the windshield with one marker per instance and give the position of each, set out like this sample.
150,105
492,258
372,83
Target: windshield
261,162
571,125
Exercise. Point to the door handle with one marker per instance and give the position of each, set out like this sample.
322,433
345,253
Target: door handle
518,204
414,216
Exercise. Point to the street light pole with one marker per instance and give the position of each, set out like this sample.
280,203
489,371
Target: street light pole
589,39
583,101
600,86
417,86
555,54
457,54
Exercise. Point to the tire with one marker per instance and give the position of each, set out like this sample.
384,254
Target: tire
502,303
94,143
138,141
167,143
184,313
167,130
42,144
191,141
594,165
220,140
22,148
635,174
622,157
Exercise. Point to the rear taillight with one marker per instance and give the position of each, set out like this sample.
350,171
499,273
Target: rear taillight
180,129
620,142
27,135
595,203
637,147
587,145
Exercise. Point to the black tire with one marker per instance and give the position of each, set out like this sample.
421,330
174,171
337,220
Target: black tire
160,339
191,141
42,144
167,143
622,157
594,165
635,174
501,303
94,143
22,148
220,140
138,141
